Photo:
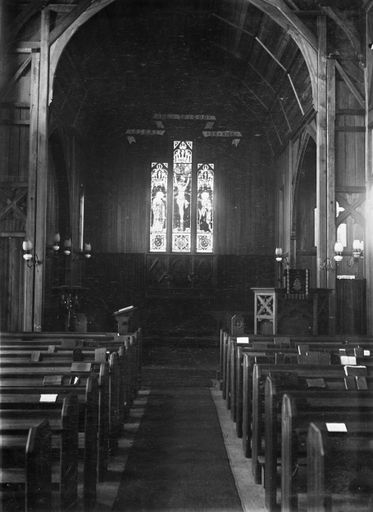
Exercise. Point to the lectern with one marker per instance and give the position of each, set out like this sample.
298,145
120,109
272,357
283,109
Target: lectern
124,317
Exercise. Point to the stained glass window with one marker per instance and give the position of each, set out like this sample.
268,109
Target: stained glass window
205,218
192,212
182,187
158,219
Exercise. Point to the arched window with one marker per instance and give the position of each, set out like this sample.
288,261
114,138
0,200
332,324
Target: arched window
190,190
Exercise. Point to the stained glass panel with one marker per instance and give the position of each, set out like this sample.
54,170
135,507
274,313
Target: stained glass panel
182,187
205,201
158,214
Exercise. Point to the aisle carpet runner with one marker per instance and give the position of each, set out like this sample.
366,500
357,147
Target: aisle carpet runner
178,461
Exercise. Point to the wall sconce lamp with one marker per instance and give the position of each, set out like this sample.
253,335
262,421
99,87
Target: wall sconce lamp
357,253
87,251
338,250
56,242
328,264
358,249
331,263
31,260
68,249
280,256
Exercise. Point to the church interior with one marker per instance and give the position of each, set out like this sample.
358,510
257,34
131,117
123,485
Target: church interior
186,255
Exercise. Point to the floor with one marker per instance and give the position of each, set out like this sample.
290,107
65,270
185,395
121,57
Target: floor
192,370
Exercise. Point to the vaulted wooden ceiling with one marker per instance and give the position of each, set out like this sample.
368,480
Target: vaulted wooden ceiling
233,59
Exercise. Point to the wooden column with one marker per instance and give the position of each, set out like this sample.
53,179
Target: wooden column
2,45
38,175
330,191
321,154
325,169
368,248
29,275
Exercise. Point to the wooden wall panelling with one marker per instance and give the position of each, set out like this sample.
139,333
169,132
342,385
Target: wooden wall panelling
11,277
351,306
118,208
350,144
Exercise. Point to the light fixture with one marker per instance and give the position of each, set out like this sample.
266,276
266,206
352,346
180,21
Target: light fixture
67,247
358,249
338,250
56,242
280,256
328,264
69,251
31,259
87,250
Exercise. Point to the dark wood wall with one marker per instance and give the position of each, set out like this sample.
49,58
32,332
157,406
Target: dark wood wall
123,271
14,144
118,194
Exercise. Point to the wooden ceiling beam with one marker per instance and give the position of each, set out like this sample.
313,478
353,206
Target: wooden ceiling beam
346,26
286,18
68,20
234,25
241,24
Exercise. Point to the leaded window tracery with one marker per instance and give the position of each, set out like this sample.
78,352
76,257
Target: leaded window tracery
158,218
191,203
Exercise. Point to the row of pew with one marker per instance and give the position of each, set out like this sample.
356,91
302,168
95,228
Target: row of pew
304,411
63,403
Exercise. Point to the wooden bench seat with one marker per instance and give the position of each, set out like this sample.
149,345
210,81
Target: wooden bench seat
63,423
298,409
30,398
261,352
25,474
340,468
275,388
112,390
253,404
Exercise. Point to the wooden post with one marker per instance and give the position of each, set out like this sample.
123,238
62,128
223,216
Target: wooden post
368,246
29,275
321,154
42,170
330,190
3,66
38,175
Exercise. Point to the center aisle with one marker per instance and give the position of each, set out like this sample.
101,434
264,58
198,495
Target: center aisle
178,461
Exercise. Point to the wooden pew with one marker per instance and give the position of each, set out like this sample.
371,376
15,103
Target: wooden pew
26,470
63,422
298,410
30,398
340,467
129,346
123,370
256,355
254,404
264,351
275,387
62,366
66,378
